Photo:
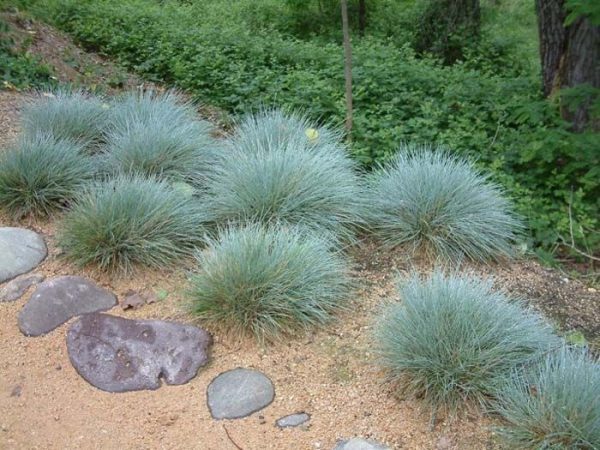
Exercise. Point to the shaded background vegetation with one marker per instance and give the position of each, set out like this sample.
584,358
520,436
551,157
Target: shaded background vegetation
476,90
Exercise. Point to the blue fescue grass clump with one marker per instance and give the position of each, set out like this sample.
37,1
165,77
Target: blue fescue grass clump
41,175
427,199
129,221
291,183
453,340
67,115
275,127
148,107
158,135
269,281
555,404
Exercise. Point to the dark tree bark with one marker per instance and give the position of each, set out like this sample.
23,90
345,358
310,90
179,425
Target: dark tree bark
362,16
570,56
445,26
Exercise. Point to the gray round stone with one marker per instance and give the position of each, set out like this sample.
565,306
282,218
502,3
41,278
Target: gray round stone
120,355
359,444
21,250
239,393
59,299
293,420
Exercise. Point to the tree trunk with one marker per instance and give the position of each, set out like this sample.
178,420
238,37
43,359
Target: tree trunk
347,67
446,26
570,56
362,17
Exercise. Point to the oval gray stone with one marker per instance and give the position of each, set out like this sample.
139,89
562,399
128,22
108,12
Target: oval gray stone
293,420
121,355
21,250
59,299
359,444
238,393
15,289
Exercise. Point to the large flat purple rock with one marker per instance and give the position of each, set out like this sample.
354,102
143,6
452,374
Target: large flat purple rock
120,355
57,300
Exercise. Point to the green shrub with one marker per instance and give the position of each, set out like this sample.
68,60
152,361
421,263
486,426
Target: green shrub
453,340
269,281
293,183
489,106
554,405
272,128
41,175
71,115
129,221
427,199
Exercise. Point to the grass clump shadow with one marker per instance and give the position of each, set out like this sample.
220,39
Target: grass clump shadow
269,281
453,341
429,200
555,404
41,175
159,134
67,115
129,221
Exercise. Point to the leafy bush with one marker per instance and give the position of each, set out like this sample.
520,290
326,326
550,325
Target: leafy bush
272,128
428,199
71,115
554,405
41,175
269,281
129,221
291,182
490,106
452,339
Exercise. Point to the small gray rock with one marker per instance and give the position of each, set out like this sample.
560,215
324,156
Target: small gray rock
20,251
120,355
57,300
239,393
15,289
359,444
293,420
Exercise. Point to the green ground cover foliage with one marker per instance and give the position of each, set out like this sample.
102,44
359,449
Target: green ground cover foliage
246,54
19,69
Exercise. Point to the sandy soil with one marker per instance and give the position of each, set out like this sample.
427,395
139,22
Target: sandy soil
330,374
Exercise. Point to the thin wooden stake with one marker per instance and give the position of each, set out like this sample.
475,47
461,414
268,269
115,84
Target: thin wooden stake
347,68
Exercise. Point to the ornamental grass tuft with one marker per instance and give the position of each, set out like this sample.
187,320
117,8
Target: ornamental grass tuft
554,405
269,281
453,341
270,128
159,135
130,221
426,199
41,175
289,183
67,115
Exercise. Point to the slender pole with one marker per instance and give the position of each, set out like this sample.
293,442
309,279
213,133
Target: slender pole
347,67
